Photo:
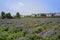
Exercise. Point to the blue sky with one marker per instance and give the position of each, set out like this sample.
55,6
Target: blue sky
26,7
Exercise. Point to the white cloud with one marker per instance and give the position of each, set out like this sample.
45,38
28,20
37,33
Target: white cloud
21,4
15,6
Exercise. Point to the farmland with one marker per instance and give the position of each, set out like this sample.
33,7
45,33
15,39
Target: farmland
30,29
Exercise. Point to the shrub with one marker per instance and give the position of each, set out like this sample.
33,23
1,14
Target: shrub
24,32
38,30
33,36
49,37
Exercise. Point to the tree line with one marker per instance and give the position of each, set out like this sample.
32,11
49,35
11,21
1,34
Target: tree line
9,16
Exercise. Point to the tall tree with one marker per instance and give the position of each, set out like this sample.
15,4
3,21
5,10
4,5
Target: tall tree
35,15
17,15
8,15
53,15
3,16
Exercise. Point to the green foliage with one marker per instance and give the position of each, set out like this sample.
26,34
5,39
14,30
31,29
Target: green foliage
3,16
8,33
35,15
18,15
29,29
8,15
44,15
34,36
38,30
49,37
58,36
13,36
57,32
24,32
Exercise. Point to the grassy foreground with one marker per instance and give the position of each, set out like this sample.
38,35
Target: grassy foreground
29,29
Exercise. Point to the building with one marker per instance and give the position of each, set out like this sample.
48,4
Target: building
45,15
36,15
57,14
42,14
48,15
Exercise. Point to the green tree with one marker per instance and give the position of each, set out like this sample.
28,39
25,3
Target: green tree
3,15
35,15
53,15
17,15
44,15
8,15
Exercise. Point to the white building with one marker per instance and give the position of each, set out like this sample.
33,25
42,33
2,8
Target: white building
48,15
57,14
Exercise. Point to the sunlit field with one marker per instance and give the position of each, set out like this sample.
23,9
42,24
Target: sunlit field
30,29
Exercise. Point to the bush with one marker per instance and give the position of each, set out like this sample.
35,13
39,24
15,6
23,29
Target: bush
33,36
7,33
24,32
49,37
38,30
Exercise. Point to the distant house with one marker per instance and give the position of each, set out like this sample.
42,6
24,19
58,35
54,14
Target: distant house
33,15
36,15
45,15
48,15
39,15
22,15
57,14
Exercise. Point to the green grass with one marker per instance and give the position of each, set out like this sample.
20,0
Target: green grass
29,30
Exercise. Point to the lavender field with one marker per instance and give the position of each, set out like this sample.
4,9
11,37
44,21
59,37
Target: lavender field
30,29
